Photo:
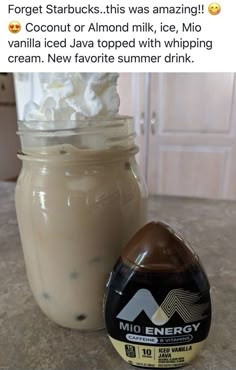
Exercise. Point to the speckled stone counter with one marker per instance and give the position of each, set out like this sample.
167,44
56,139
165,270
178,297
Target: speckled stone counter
28,340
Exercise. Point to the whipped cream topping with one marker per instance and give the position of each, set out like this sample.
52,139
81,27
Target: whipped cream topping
74,96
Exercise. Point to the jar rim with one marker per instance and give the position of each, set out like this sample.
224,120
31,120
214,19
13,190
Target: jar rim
89,133
83,156
77,125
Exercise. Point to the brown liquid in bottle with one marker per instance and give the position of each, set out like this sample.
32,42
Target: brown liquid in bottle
158,307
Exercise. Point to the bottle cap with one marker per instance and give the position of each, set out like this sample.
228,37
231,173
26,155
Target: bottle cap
158,247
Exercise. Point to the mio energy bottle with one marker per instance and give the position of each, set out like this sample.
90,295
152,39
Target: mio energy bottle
157,305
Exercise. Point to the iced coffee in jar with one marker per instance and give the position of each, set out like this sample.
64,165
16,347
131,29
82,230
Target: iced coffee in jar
79,198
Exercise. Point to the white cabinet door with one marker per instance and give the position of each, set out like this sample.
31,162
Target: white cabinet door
131,88
193,139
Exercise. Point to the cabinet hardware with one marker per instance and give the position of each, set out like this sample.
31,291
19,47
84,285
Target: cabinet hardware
153,123
142,125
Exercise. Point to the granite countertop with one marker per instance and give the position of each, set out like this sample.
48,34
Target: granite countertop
28,340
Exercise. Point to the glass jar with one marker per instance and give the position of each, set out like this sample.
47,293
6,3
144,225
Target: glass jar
79,199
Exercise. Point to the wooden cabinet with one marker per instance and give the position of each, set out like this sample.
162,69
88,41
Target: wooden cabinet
9,142
186,126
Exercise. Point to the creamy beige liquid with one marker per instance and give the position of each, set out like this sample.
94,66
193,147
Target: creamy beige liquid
74,218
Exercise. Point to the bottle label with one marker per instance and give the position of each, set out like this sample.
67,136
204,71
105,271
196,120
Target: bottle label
159,328
156,356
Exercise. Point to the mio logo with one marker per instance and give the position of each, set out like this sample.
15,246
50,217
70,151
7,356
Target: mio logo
177,300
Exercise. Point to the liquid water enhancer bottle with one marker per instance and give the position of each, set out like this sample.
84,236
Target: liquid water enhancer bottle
157,305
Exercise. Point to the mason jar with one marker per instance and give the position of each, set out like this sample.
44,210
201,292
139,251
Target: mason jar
80,197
